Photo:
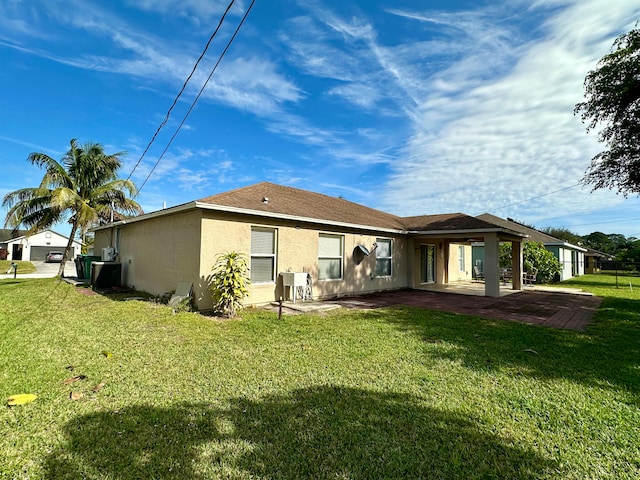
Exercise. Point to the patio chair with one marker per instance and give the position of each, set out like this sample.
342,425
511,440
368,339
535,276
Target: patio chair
529,278
478,276
506,275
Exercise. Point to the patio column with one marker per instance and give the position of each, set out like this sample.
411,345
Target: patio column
491,264
516,265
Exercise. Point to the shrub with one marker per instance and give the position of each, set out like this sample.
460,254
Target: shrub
230,282
4,253
534,257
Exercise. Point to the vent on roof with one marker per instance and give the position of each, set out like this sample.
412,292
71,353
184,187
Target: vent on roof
265,200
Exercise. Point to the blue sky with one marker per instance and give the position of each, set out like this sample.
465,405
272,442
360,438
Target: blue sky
412,107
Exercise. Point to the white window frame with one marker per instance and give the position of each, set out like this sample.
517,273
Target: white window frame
461,259
339,257
262,255
380,258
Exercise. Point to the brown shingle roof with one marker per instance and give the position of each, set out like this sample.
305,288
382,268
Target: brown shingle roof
303,203
447,222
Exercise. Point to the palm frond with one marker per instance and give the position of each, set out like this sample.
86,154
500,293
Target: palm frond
83,185
55,175
22,195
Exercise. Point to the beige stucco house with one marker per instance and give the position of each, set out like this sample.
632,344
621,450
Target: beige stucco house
284,229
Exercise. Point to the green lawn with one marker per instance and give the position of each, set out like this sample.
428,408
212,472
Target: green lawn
23,266
393,393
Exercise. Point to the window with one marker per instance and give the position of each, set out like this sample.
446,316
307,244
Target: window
461,260
263,255
330,257
383,257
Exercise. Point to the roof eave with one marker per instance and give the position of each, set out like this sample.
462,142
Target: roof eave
246,211
296,218
567,245
146,216
469,231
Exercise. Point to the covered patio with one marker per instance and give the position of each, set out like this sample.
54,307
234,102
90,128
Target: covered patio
463,287
434,239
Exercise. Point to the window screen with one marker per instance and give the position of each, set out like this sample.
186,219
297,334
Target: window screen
383,257
263,255
329,257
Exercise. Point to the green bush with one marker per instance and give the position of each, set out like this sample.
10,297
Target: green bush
534,258
230,282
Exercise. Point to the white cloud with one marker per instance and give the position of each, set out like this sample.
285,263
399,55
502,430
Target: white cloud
248,83
199,12
252,84
361,95
480,143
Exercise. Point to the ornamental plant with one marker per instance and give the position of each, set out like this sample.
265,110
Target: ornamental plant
230,282
535,257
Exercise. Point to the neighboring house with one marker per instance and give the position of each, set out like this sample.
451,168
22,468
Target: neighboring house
593,260
7,235
283,229
35,247
571,257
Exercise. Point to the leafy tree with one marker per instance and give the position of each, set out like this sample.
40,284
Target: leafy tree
612,243
612,98
632,253
525,224
83,185
230,282
563,234
534,257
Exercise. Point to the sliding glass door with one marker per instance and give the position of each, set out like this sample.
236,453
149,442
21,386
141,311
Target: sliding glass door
427,263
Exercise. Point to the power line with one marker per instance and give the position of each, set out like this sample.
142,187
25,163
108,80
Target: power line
536,197
608,221
193,104
184,86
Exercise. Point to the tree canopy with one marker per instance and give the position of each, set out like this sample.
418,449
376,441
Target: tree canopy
83,186
612,98
563,233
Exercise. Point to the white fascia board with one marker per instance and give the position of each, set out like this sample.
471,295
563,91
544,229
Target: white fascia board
146,216
468,232
566,245
244,211
26,237
295,218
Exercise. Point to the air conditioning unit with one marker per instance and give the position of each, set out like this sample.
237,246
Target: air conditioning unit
108,254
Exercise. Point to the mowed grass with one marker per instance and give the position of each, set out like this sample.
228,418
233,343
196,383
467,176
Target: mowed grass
390,393
23,267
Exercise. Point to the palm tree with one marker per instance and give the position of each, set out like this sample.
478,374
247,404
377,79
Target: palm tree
83,185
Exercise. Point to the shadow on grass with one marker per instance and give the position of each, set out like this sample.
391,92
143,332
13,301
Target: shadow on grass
607,355
320,432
